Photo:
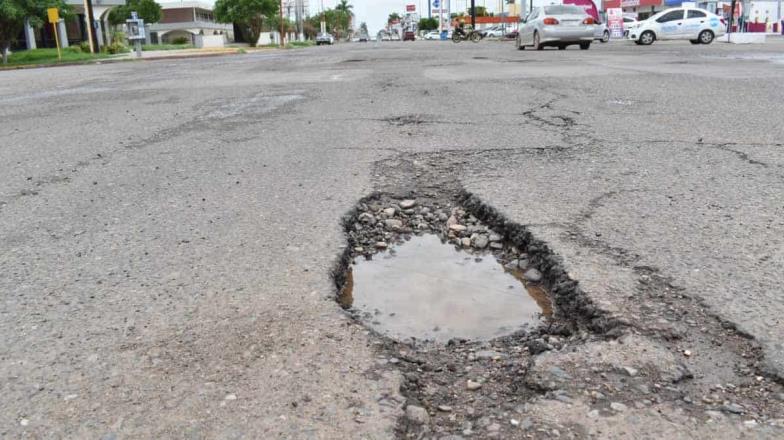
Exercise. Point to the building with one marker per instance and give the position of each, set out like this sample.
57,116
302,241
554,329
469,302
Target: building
74,30
185,20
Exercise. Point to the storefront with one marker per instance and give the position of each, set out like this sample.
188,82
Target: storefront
640,9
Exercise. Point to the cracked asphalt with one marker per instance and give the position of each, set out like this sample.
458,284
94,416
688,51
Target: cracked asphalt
167,228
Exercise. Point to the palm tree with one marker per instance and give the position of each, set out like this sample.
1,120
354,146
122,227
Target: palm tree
345,7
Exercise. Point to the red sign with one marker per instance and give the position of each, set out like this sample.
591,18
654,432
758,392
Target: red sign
410,8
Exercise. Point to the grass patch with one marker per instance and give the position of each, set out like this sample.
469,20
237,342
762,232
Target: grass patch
49,56
146,47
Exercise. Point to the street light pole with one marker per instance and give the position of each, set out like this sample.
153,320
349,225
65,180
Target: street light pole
473,14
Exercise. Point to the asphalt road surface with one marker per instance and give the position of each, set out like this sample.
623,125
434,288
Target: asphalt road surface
167,228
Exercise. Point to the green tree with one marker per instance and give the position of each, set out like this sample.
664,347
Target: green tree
148,10
248,13
344,7
393,16
363,28
481,11
428,24
14,12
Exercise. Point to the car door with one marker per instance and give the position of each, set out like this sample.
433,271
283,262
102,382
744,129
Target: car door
527,29
695,22
671,25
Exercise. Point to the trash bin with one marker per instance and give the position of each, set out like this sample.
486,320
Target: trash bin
444,35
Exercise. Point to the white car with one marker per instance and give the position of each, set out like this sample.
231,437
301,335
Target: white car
494,32
696,25
433,35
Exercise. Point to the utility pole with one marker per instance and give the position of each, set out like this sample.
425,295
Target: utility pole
473,14
280,14
88,10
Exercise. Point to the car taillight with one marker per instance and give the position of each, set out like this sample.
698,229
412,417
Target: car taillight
550,21
589,20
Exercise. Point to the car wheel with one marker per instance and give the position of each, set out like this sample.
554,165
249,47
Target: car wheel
585,46
706,37
537,43
605,37
561,47
647,38
519,44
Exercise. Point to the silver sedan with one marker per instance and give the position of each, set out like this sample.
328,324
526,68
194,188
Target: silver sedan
556,25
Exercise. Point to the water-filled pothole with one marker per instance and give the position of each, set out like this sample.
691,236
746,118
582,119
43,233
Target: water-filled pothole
429,290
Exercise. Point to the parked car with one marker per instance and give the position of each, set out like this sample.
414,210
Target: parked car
409,36
493,32
363,38
556,25
696,25
629,23
324,38
601,32
512,35
433,35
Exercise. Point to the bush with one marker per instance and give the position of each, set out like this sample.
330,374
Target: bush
181,40
85,46
116,47
74,49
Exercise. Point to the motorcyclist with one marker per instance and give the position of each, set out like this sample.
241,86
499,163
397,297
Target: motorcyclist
460,28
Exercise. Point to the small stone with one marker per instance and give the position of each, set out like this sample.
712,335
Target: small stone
367,218
714,414
457,228
527,423
407,204
630,371
465,242
389,212
496,245
472,386
381,245
417,415
451,221
733,408
494,427
512,265
749,423
687,353
393,223
593,414
24,422
514,422
533,275
444,408
230,397
618,407
481,242
489,354
780,396
495,237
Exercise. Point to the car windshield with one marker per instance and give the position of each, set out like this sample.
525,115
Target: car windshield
563,10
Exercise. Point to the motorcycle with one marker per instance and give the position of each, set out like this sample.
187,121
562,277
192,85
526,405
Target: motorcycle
470,34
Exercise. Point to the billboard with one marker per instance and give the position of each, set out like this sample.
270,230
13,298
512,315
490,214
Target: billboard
410,8
588,5
615,22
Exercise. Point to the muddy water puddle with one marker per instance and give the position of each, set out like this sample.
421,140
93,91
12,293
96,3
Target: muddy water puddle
429,290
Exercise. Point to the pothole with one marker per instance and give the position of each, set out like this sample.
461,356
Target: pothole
429,289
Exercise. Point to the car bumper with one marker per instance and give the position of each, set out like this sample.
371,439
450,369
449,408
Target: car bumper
567,35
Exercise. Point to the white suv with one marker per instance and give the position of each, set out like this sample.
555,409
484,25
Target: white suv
696,25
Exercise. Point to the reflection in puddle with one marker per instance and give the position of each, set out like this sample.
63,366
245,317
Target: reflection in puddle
430,290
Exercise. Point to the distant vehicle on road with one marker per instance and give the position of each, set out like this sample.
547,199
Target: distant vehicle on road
433,35
556,25
629,23
363,38
324,38
409,36
696,25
